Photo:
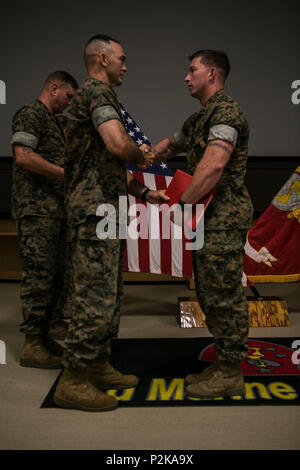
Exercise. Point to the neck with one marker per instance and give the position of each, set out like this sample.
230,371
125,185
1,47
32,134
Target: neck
47,102
100,75
209,93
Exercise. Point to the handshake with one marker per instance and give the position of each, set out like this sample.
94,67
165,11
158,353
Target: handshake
148,157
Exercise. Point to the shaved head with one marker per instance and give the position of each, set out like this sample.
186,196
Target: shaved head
104,59
96,44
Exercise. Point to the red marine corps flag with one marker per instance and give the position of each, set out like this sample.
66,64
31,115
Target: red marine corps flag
273,244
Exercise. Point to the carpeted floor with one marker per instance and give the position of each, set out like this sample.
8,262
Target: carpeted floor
149,313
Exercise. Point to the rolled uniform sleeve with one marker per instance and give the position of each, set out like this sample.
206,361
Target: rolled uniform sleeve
103,114
25,138
225,124
103,105
27,128
223,132
179,138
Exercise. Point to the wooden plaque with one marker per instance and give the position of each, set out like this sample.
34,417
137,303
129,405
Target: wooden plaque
265,311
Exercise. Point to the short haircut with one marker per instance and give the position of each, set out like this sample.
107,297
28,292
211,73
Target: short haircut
101,37
92,46
213,58
62,76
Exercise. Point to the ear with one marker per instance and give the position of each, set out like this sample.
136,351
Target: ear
212,74
53,89
103,59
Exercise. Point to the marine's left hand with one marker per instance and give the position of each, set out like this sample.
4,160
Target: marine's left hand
157,197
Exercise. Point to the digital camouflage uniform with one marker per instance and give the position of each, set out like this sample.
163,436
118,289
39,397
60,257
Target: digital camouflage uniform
38,210
218,266
93,176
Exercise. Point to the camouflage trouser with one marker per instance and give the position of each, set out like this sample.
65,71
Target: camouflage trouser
97,294
44,277
218,269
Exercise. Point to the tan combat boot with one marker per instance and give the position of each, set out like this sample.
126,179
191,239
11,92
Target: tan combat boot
59,330
74,390
225,380
36,354
198,377
103,375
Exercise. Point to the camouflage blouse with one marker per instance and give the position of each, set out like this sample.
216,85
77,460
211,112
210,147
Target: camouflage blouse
93,176
36,127
231,207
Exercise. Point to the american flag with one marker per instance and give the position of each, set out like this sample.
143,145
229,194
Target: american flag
158,256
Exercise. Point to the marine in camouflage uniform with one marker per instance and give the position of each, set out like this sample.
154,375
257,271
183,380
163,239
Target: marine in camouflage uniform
218,266
38,210
216,143
93,176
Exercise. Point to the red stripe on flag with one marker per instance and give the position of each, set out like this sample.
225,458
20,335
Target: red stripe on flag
126,267
165,243
143,244
187,262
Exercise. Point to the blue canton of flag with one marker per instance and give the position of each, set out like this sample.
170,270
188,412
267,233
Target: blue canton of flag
136,133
